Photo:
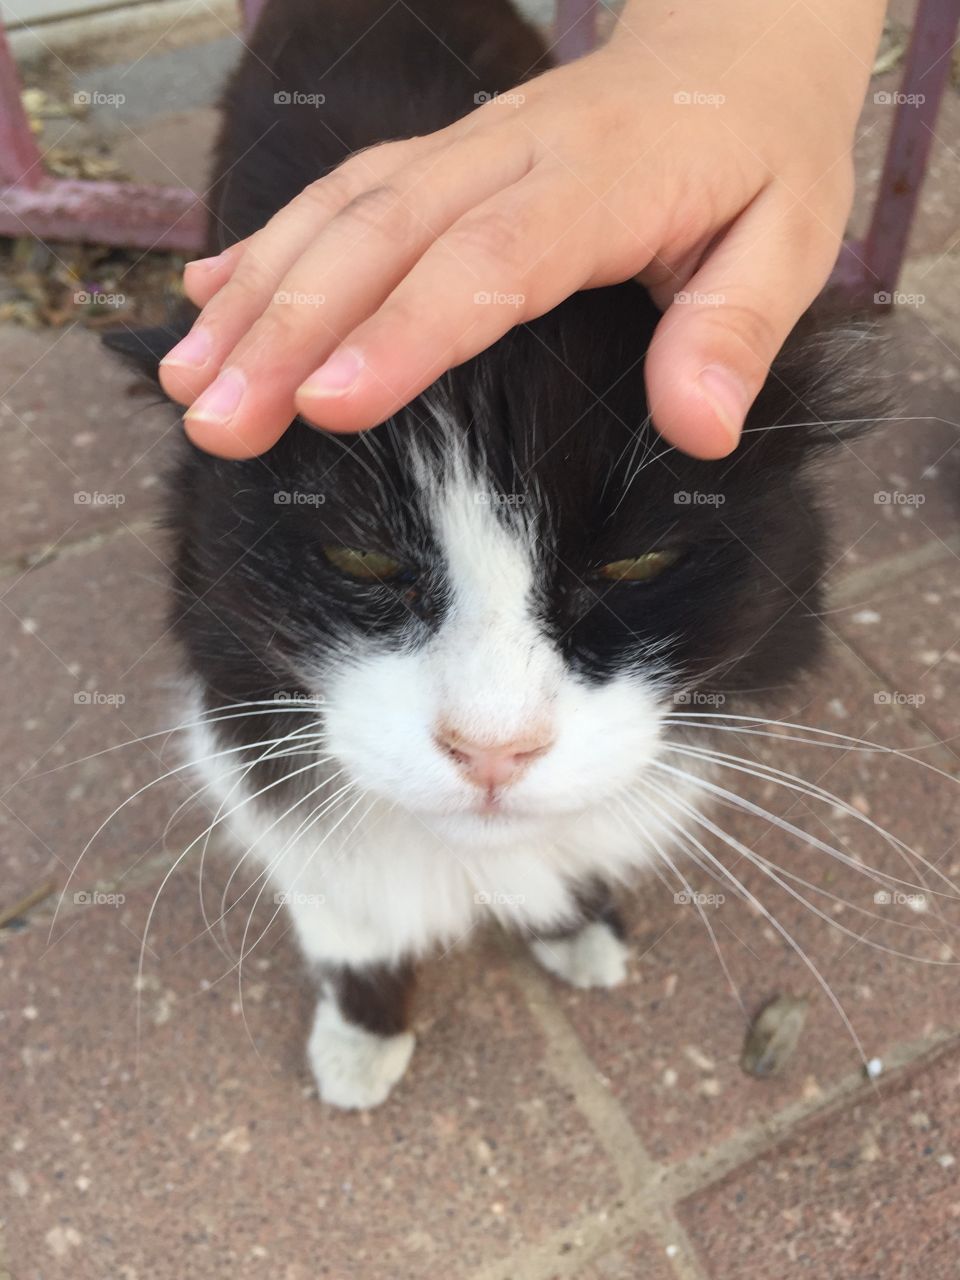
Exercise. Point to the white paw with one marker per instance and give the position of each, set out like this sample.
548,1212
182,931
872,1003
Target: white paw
594,957
354,1068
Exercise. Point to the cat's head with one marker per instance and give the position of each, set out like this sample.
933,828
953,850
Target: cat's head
500,599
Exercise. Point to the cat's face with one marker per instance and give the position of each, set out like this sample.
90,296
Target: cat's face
471,695
501,600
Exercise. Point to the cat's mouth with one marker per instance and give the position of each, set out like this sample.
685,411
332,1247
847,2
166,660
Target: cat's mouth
490,805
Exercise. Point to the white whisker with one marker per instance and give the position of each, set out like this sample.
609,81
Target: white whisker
792,782
788,937
768,867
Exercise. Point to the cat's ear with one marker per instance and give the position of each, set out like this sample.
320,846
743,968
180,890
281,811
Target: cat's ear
143,349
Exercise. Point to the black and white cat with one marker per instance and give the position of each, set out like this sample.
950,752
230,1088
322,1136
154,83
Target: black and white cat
437,666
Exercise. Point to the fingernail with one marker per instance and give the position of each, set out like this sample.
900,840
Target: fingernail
727,396
192,352
220,400
335,377
207,264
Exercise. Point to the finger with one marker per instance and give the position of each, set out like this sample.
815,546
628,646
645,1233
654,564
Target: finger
712,350
246,291
204,276
513,258
359,257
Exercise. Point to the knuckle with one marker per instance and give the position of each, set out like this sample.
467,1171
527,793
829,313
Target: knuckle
496,239
328,194
749,326
383,212
250,285
324,196
282,327
401,315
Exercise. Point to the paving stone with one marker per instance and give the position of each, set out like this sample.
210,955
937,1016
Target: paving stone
912,637
669,1042
85,668
897,489
206,1153
124,96
173,149
82,453
873,1192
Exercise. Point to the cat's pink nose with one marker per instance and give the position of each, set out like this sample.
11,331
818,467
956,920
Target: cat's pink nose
492,765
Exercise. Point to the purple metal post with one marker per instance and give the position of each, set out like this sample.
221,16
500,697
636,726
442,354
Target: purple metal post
925,78
252,10
20,159
575,28
122,213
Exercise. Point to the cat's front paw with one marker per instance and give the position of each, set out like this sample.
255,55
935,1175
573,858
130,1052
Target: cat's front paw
354,1068
593,957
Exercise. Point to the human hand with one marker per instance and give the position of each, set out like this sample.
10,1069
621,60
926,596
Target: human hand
705,150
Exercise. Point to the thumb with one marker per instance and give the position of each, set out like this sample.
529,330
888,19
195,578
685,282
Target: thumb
714,345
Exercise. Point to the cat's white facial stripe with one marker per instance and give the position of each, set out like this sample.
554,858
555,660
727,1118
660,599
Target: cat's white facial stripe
492,674
496,674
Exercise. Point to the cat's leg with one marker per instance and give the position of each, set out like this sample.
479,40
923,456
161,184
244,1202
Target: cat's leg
591,952
360,1043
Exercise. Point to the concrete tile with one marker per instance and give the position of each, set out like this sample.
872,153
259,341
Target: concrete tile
82,454
871,1192
85,668
898,488
912,638
668,1043
125,96
208,1155
171,149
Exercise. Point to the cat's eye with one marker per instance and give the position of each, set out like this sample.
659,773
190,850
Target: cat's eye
639,568
365,566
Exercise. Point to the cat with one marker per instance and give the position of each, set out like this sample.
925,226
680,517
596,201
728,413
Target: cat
435,667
